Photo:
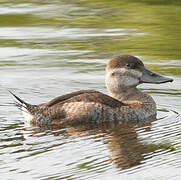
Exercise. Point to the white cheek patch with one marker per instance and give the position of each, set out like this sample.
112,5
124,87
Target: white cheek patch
135,73
127,81
123,77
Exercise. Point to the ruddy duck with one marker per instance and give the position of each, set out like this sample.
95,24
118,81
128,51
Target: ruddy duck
126,103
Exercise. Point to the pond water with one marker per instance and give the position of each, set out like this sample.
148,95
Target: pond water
50,48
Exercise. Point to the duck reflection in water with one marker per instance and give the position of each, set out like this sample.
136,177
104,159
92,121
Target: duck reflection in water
126,103
125,149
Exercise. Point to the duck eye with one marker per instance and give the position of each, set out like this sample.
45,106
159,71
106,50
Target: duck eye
130,65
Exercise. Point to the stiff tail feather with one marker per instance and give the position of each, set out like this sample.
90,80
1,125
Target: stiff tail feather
27,109
19,99
20,103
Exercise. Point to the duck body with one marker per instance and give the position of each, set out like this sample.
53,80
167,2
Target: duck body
89,106
126,103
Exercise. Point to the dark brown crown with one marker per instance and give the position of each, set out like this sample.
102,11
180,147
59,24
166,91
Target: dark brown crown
126,61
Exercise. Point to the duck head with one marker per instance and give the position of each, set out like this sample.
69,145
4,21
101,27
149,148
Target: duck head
125,71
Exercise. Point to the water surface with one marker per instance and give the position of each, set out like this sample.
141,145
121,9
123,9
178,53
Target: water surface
52,48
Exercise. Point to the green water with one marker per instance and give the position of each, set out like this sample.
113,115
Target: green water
49,48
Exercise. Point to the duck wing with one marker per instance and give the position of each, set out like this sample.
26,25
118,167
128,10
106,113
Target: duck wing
85,96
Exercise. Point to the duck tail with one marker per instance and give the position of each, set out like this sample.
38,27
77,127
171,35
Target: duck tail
20,103
19,99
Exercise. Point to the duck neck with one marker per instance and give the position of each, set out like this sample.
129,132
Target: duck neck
127,94
140,101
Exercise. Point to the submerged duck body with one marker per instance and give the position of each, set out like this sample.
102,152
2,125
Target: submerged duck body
126,103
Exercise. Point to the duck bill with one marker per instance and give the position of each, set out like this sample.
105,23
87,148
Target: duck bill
151,77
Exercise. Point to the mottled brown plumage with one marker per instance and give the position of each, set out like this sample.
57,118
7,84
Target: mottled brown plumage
86,96
125,103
